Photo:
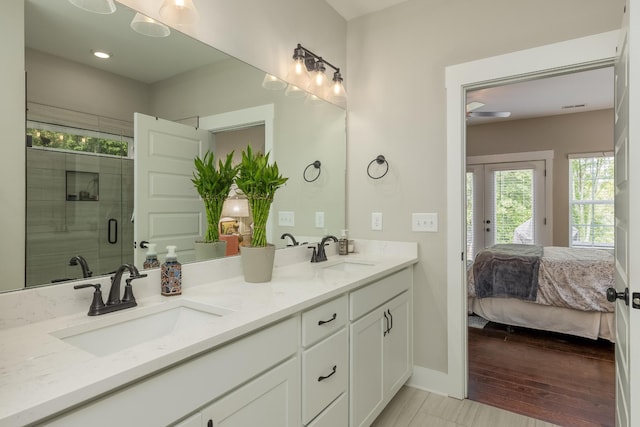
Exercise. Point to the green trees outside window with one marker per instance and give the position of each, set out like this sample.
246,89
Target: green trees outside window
591,201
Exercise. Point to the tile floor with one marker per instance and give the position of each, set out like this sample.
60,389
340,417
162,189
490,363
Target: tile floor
417,408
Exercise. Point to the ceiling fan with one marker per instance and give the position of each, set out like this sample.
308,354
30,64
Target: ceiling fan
474,105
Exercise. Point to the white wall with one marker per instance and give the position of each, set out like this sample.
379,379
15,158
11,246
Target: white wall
397,59
12,125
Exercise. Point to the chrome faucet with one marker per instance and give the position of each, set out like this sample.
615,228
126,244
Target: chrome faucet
320,255
114,303
78,259
290,236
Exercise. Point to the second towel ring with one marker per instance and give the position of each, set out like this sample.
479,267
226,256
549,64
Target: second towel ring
379,160
316,165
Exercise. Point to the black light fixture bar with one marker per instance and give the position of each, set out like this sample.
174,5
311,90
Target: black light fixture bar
311,58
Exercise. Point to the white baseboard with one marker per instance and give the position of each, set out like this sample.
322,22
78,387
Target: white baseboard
429,380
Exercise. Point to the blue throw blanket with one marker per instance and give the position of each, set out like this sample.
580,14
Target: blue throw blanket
508,271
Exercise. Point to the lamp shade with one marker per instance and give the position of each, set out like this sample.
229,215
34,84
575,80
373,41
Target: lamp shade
149,27
237,208
179,12
104,7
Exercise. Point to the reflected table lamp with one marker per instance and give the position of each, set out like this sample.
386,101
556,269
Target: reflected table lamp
236,209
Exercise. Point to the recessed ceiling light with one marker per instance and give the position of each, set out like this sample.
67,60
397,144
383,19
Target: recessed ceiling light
101,54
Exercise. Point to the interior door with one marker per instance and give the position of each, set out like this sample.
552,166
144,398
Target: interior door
627,206
167,208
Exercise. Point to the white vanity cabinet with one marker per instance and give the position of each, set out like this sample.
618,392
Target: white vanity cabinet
325,363
270,355
381,344
271,400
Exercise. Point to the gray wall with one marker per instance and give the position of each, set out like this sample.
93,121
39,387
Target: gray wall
564,134
397,59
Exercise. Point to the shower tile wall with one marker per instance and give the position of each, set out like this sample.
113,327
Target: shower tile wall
58,229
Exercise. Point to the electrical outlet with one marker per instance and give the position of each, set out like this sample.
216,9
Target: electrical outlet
319,219
286,219
376,221
424,222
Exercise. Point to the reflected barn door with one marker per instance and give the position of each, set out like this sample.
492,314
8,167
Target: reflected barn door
167,207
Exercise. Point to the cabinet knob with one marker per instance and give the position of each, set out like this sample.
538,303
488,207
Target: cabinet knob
210,423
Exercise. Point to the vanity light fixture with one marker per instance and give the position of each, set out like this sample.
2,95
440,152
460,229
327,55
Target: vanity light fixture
308,71
146,26
104,7
180,13
101,54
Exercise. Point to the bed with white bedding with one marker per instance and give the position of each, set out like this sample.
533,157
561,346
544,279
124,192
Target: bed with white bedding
552,288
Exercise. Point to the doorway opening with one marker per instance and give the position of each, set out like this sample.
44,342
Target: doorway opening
514,202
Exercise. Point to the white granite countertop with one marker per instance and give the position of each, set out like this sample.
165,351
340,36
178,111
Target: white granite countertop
41,375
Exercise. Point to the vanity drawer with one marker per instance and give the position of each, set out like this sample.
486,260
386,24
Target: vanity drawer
368,297
324,374
322,321
336,415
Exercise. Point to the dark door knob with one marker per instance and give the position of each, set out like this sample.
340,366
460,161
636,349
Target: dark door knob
612,295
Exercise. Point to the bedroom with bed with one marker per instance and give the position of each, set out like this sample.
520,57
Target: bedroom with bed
540,254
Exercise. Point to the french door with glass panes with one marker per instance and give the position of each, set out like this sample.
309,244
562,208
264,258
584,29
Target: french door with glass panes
505,204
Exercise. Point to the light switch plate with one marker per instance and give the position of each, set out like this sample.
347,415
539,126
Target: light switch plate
424,222
319,219
286,219
376,221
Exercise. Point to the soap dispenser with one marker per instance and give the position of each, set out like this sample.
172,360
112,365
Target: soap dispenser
171,274
152,257
343,243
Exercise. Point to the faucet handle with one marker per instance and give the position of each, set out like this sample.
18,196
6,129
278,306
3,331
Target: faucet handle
314,255
128,290
96,303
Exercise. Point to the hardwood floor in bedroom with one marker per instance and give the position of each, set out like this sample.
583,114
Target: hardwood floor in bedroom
557,378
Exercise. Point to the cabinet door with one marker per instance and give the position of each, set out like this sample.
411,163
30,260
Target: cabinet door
398,358
271,400
366,365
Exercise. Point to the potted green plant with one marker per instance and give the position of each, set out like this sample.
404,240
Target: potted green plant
258,179
213,184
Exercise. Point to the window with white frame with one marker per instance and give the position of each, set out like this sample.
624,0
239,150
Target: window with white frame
591,200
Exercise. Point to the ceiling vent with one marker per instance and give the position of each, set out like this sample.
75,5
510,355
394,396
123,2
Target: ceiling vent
568,107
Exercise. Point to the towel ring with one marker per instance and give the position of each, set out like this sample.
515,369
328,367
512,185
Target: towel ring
316,165
379,160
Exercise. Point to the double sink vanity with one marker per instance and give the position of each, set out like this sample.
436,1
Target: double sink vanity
322,344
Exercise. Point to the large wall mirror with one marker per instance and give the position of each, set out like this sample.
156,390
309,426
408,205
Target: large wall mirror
81,166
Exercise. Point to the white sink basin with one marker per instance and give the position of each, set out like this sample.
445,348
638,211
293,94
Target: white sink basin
349,266
110,335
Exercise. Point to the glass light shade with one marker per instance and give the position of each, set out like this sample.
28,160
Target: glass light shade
298,74
312,99
149,27
104,7
271,82
337,94
294,91
238,208
179,12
